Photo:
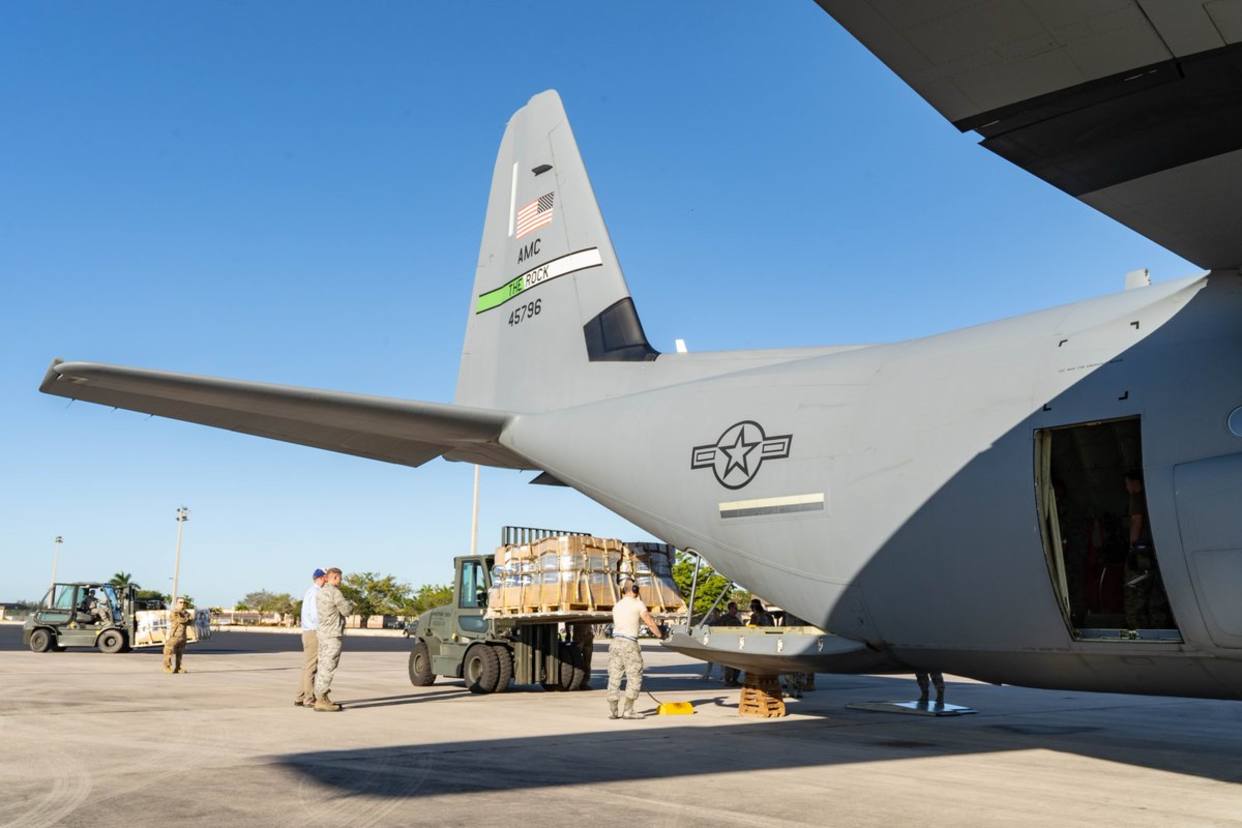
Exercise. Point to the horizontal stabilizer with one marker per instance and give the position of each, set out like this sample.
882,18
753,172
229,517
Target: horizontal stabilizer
380,428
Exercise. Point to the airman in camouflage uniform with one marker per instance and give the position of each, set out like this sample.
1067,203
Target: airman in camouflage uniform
333,610
625,657
102,610
174,644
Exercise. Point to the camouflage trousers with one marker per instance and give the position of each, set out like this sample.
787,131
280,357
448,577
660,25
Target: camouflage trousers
173,648
625,660
329,658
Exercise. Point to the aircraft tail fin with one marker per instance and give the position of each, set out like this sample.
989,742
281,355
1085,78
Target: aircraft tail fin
549,297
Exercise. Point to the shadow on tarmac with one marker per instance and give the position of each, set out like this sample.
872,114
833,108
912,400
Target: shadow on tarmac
413,698
1200,738
233,642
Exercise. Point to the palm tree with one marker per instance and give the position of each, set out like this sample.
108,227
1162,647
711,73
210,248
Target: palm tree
122,579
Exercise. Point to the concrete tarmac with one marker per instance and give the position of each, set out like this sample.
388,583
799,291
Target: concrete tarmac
98,740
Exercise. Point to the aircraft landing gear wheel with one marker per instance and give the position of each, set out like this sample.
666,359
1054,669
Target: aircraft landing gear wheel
420,665
111,641
572,674
505,659
40,641
481,669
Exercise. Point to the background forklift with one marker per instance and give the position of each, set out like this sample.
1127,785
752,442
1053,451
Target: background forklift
95,614
83,615
490,654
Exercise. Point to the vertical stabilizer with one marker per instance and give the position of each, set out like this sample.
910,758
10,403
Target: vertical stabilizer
549,298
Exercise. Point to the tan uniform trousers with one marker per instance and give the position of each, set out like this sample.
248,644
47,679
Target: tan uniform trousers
173,648
310,665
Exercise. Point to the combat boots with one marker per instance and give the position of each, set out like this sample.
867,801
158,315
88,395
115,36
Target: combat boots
627,712
324,704
612,710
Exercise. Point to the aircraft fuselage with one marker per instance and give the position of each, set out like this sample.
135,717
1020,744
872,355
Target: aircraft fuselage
891,493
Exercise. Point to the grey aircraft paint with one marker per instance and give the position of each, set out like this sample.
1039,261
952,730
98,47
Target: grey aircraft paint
887,493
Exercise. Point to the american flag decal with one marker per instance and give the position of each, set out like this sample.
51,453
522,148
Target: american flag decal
533,216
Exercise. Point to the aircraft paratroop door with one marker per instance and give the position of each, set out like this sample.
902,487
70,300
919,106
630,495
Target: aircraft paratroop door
1208,496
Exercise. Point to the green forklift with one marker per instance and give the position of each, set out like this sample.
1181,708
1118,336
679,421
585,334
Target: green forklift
457,641
85,614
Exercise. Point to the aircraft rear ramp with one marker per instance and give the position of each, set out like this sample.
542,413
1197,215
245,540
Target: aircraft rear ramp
771,650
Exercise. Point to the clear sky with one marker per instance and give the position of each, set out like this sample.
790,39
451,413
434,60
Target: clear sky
294,192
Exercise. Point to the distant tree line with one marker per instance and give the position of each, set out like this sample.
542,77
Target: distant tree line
124,579
370,593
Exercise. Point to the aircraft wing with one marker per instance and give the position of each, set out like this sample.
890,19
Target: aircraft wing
1132,106
381,428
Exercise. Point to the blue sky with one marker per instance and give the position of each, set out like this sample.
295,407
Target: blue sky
295,193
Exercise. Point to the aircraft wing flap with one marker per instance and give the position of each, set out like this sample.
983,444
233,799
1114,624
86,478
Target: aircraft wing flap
380,428
1132,106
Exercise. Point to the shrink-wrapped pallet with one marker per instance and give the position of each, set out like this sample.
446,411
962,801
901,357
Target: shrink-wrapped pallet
578,576
151,627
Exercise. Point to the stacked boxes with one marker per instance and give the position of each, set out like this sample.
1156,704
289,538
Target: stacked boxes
651,566
577,575
151,627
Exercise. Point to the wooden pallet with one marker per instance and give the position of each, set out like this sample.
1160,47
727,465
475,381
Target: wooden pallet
761,698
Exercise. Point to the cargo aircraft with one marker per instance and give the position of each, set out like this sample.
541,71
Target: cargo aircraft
1052,500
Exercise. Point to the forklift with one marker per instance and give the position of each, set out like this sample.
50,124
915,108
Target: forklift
457,641
88,614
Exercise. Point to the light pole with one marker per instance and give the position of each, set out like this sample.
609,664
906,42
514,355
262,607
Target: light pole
56,542
183,514
474,515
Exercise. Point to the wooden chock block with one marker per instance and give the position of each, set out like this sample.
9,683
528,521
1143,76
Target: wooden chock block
761,697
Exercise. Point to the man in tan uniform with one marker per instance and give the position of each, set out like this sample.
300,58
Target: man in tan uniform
625,656
174,644
310,640
333,610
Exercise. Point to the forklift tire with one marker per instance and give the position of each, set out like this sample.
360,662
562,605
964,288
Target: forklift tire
111,641
41,641
420,665
504,657
572,673
481,669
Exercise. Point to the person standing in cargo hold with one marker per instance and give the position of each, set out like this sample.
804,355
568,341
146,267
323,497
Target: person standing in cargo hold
333,609
625,656
310,641
174,644
1146,605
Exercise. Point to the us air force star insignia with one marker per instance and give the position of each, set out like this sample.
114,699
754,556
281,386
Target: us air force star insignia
735,458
